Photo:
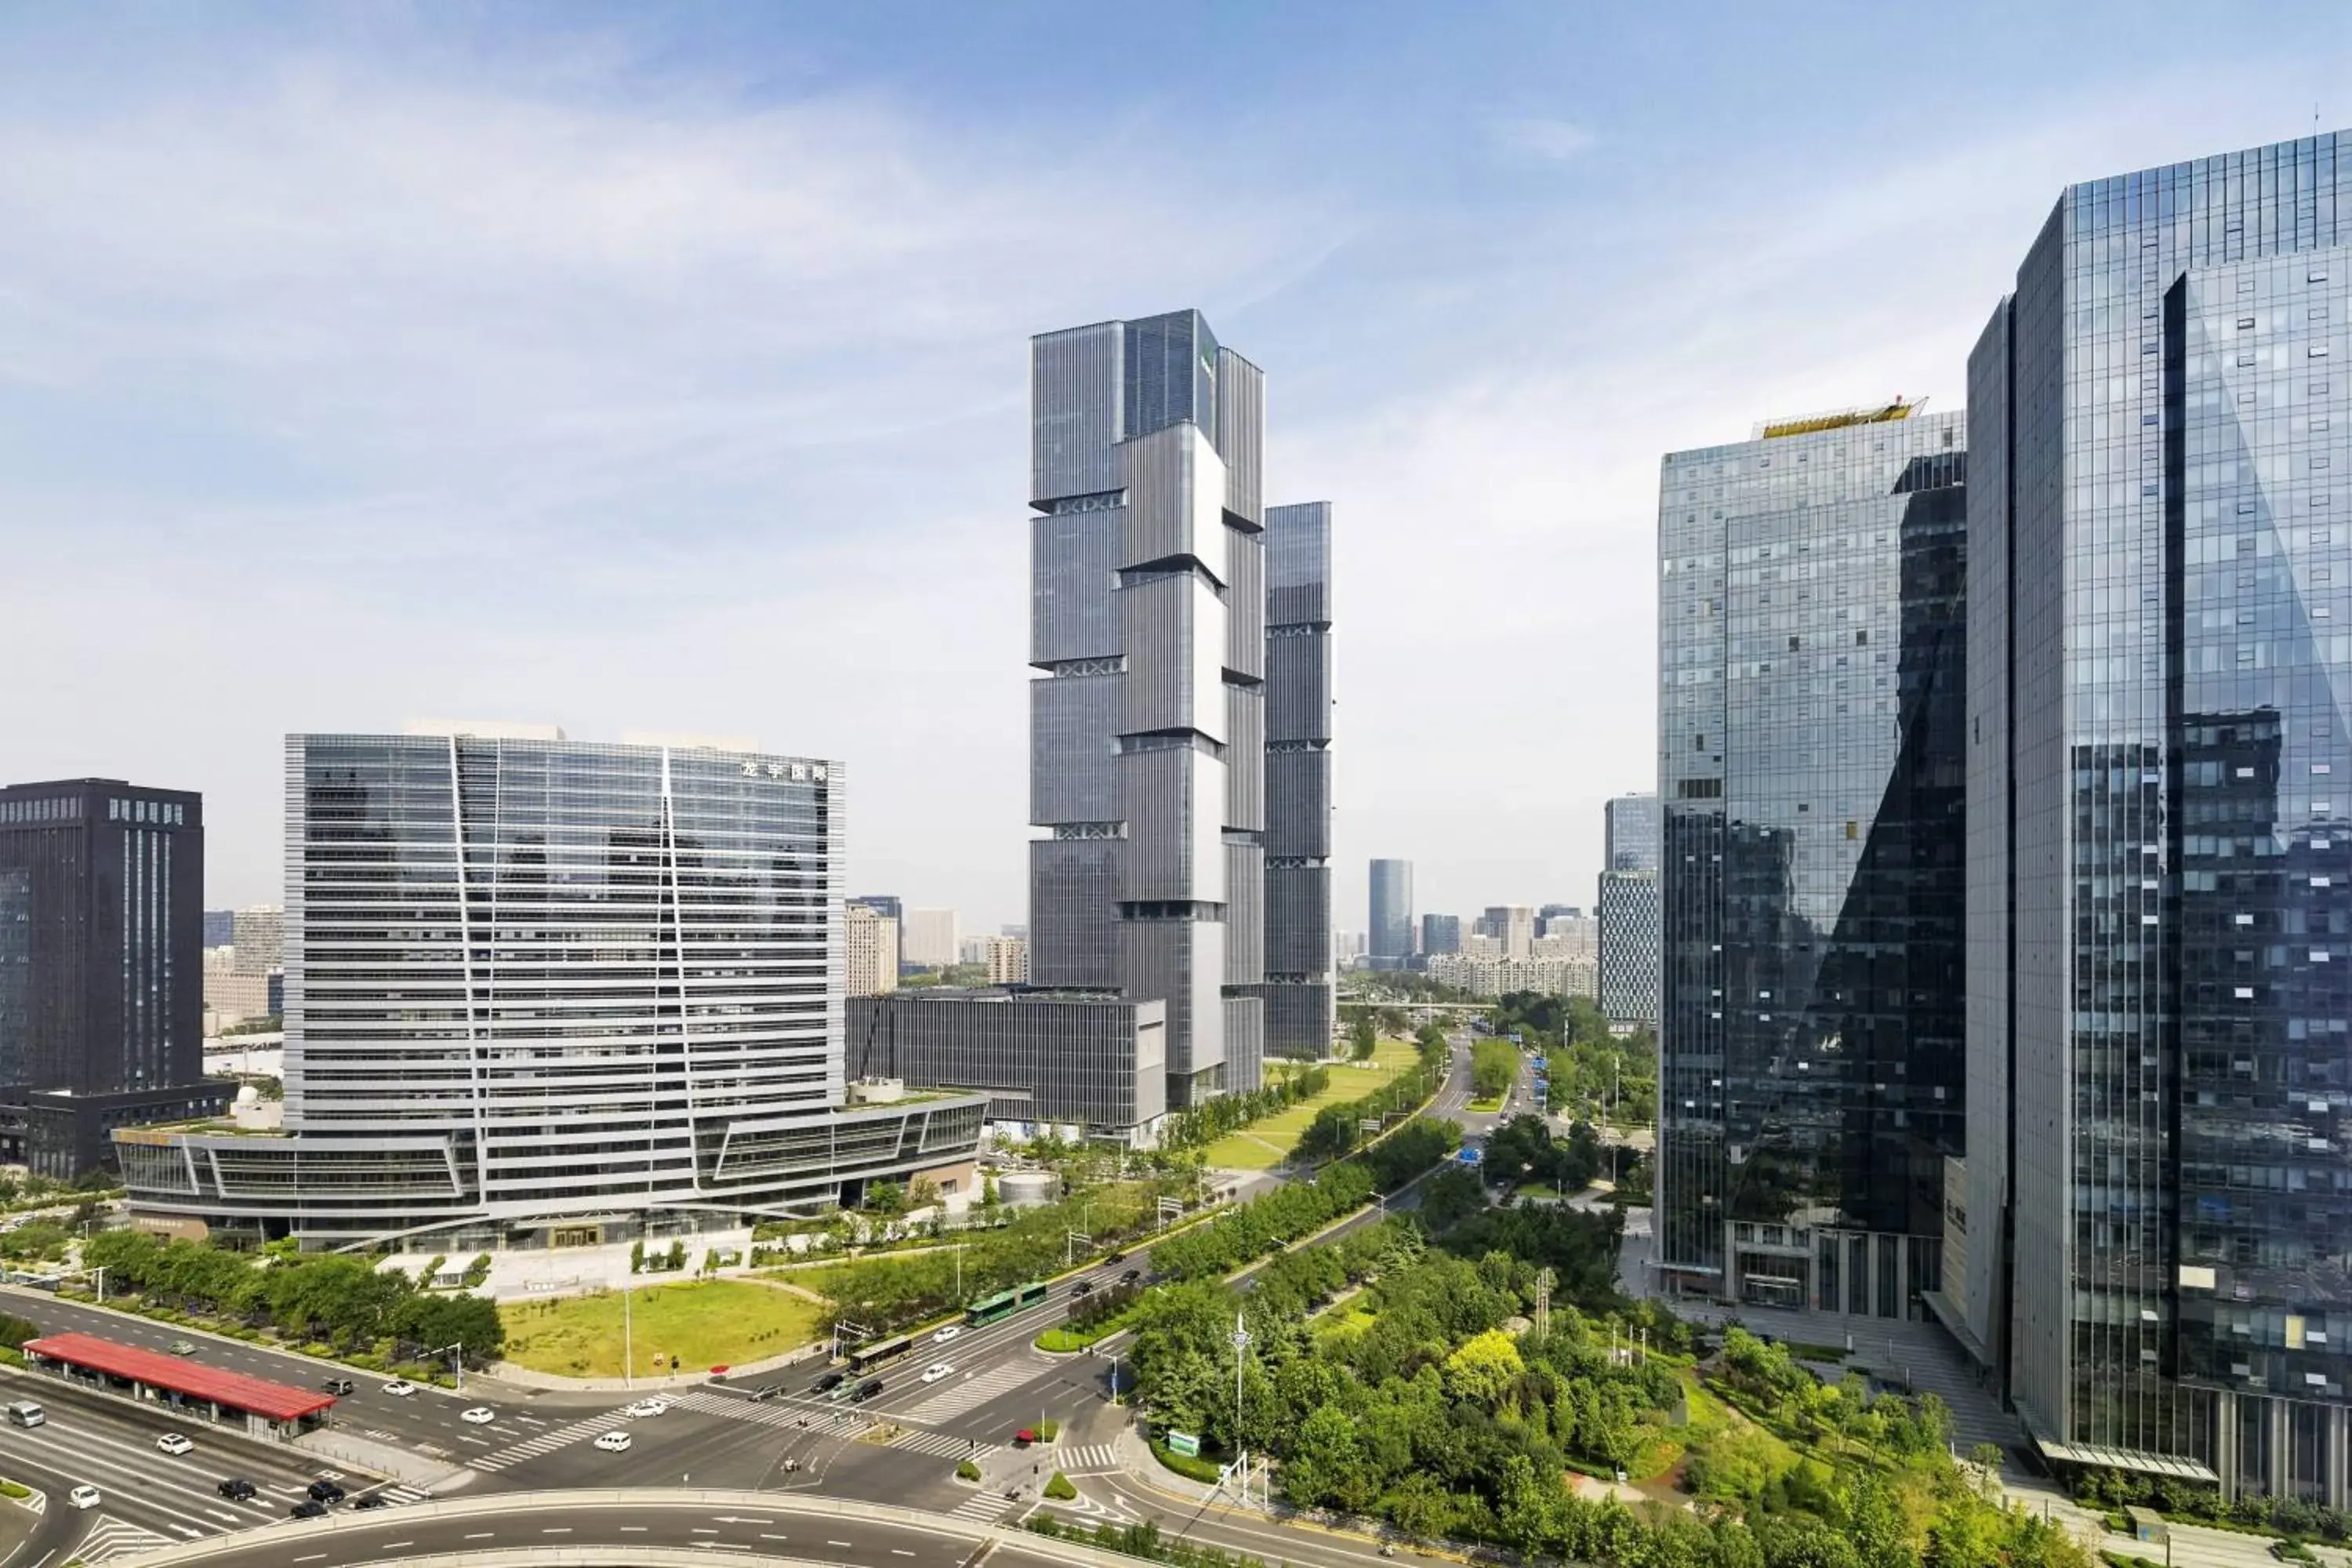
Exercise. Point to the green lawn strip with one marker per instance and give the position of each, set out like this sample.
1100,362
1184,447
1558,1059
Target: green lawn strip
1265,1144
704,1323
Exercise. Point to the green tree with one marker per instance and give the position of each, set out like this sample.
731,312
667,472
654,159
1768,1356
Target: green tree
1322,1458
1363,1038
1483,1368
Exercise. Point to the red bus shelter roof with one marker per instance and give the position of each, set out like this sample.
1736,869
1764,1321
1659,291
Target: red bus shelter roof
279,1401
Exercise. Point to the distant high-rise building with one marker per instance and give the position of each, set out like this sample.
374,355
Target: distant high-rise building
887,905
101,969
2160,863
1629,832
1511,925
1148,710
1300,999
1440,934
258,934
1811,738
1006,959
928,938
1630,946
220,927
1392,931
456,1076
869,951
1573,935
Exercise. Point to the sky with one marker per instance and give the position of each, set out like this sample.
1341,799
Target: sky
665,367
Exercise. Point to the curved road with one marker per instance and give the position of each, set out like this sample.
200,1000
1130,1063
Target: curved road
752,1527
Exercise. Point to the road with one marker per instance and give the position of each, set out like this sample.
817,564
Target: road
751,1528
147,1498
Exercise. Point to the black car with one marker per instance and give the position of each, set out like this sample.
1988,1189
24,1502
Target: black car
326,1491
238,1489
337,1385
1131,1277
766,1390
866,1390
828,1383
372,1500
309,1508
1083,1287
1115,1257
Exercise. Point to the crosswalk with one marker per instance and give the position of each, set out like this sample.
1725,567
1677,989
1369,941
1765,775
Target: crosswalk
405,1494
975,1391
1088,1457
546,1442
984,1507
109,1538
940,1445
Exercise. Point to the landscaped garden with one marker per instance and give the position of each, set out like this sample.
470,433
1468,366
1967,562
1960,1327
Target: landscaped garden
702,1323
1267,1143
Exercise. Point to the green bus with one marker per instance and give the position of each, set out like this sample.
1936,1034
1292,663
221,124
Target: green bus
1004,1303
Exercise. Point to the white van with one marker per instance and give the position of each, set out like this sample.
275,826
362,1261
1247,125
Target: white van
24,1412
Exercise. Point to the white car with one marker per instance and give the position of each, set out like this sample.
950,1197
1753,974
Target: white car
936,1370
83,1497
174,1443
400,1386
613,1442
479,1415
646,1409
949,1332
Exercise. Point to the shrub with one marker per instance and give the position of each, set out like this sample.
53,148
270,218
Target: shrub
14,1489
966,1470
1194,1469
478,1270
1060,1490
1048,1430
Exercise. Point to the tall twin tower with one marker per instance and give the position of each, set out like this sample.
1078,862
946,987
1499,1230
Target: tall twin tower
1180,718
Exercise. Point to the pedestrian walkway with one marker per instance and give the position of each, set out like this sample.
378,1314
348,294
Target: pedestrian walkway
941,1445
976,1391
111,1538
1089,1458
405,1494
546,1442
985,1507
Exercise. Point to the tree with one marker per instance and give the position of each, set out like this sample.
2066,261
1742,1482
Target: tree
1363,1038
1494,1064
1483,1367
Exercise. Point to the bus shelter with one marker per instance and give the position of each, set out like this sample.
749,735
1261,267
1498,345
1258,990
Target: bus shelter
258,1407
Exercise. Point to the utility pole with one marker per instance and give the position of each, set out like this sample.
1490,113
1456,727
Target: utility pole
628,1345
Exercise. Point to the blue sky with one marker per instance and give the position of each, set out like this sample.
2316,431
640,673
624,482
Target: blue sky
664,367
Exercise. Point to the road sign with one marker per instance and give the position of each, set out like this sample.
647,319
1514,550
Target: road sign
1517,1038
1469,1156
1184,1443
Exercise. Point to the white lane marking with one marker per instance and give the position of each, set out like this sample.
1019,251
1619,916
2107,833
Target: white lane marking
396,1545
557,1529
836,1543
482,1535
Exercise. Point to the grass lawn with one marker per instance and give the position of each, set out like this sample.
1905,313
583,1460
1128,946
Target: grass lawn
1266,1144
704,1323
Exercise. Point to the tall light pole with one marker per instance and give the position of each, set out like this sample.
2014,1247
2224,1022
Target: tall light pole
628,1344
1241,1345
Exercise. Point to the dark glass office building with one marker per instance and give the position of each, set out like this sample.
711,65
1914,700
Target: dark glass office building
1811,772
101,966
2158,1192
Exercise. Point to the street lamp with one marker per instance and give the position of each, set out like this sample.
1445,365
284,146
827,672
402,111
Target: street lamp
1241,1339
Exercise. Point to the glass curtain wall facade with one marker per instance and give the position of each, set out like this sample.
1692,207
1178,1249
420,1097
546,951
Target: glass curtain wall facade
1147,708
1630,946
2160,1075
1629,832
1392,909
101,968
1299,997
1811,772
534,983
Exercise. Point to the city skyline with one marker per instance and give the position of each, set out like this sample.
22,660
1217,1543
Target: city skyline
399,473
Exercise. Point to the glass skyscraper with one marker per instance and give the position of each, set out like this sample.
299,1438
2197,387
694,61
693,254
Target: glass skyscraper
1148,714
2158,1189
1300,1000
1629,832
1810,769
541,990
1392,910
